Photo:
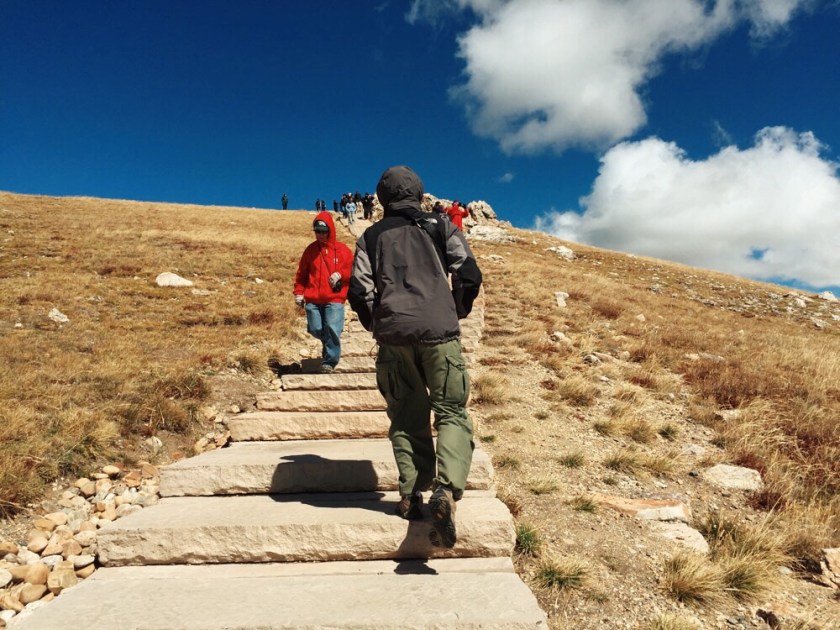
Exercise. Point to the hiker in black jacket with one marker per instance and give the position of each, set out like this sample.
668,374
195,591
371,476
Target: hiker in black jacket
400,291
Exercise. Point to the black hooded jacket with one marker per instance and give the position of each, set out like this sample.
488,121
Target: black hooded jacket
400,287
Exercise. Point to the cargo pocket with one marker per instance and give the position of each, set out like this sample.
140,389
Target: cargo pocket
388,380
457,387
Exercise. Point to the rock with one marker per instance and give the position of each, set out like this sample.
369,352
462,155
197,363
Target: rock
561,297
80,562
70,548
86,538
830,565
6,616
562,252
52,561
6,546
32,593
490,233
647,509
201,292
86,572
37,573
58,317
5,578
27,557
44,524
148,471
18,572
37,545
111,471
153,444
684,535
126,509
63,576
88,489
9,602
641,318
828,296
168,279
591,359
733,477
59,518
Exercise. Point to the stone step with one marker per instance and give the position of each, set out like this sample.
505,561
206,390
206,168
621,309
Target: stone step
347,365
328,381
305,425
360,400
297,467
451,593
297,528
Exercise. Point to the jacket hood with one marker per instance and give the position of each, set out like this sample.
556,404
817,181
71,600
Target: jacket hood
400,191
326,217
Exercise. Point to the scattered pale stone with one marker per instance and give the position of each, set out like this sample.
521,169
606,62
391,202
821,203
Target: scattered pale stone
52,549
37,545
111,471
9,602
169,279
52,561
561,297
828,296
126,509
819,323
58,317
7,546
63,576
591,359
647,509
44,524
562,252
695,450
153,444
683,535
86,572
86,538
36,573
81,561
18,572
258,281
32,593
800,303
5,578
830,565
7,615
70,548
59,518
80,482
201,292
28,557
491,234
733,477
560,337
640,317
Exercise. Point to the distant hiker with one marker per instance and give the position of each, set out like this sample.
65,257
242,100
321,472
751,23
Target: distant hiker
456,212
351,211
367,205
335,206
400,291
285,201
438,208
321,288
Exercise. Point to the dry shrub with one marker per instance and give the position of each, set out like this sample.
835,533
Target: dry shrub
692,578
671,622
562,573
637,429
490,388
607,309
578,391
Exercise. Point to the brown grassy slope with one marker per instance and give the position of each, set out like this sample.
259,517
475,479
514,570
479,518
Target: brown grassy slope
135,359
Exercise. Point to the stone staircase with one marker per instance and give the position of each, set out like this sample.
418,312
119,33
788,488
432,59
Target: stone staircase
292,526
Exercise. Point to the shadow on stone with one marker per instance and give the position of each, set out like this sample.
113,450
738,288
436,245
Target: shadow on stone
414,567
283,368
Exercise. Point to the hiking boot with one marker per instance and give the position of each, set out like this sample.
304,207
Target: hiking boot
442,507
409,507
326,368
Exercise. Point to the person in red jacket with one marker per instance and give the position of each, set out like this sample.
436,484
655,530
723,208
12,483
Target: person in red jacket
321,283
456,213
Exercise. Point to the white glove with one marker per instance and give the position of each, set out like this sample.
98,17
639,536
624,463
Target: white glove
299,300
335,278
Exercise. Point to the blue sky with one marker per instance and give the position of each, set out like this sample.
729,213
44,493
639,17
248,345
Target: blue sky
703,132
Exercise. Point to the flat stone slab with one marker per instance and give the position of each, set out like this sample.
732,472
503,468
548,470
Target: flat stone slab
328,381
297,528
297,467
306,425
475,593
683,535
646,509
360,400
733,477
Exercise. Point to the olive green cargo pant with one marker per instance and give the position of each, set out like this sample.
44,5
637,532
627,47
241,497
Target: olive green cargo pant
417,379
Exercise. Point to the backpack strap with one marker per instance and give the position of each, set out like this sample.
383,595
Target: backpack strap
436,229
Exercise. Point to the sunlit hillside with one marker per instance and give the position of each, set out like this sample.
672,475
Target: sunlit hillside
649,374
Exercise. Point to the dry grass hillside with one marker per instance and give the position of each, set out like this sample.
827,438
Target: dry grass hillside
652,373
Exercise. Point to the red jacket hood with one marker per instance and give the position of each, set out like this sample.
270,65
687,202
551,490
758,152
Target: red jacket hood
326,217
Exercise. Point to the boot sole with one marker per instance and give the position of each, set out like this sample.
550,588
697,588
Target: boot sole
443,532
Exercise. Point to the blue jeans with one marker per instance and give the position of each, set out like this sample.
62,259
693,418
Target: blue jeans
325,322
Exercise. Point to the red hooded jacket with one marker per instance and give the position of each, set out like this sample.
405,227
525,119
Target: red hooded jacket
318,262
457,213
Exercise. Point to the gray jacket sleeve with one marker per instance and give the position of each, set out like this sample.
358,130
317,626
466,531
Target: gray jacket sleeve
466,276
362,291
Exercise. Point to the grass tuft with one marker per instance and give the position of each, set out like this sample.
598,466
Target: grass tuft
562,573
528,540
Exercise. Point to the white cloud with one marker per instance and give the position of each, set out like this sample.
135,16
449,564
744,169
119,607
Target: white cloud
779,197
550,74
506,178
